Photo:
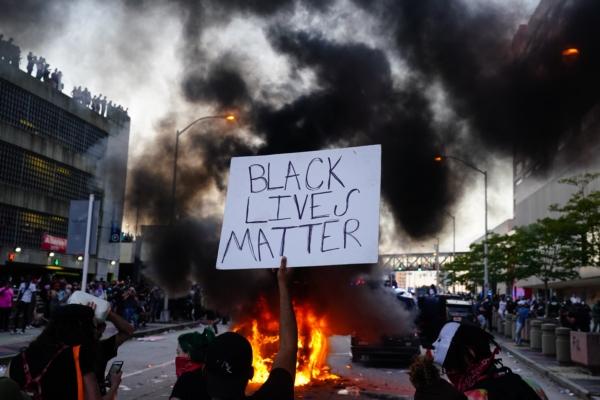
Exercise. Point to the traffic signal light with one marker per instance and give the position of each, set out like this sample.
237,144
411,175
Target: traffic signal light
11,256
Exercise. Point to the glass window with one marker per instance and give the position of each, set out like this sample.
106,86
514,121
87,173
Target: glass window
26,111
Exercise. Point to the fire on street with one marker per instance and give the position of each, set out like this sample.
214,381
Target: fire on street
149,373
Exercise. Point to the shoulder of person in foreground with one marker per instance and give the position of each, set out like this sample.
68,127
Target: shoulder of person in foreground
428,384
508,384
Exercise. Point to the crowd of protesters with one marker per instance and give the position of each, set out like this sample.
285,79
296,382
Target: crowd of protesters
31,301
572,312
39,68
68,359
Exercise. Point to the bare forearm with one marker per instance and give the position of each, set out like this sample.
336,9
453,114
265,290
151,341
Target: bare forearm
288,331
111,394
122,326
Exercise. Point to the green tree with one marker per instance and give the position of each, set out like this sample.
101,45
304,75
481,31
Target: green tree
461,271
582,210
550,250
505,258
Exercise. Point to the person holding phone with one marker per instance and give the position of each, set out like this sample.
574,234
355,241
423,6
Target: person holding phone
115,368
107,349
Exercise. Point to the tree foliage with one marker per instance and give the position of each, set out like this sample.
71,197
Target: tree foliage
550,249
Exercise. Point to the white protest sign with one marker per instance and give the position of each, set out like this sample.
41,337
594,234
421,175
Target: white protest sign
316,208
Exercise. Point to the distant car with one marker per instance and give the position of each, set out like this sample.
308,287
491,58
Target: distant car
460,310
388,348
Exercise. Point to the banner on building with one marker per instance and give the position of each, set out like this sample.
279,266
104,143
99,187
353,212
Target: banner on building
316,208
77,224
54,243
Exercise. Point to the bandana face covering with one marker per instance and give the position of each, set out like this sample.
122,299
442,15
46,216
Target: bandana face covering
184,364
474,374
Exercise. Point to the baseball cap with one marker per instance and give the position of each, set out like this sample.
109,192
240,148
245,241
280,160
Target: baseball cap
229,356
443,342
228,365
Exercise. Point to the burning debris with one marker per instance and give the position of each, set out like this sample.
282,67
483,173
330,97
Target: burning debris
261,327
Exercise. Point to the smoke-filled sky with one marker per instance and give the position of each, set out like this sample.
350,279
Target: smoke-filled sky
418,77
301,75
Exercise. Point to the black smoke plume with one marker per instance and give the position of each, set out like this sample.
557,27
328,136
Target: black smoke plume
520,97
517,98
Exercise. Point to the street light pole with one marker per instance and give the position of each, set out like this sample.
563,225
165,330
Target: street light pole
486,278
164,315
453,234
229,117
486,272
453,241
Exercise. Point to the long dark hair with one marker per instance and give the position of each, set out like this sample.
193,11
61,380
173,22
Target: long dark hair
70,325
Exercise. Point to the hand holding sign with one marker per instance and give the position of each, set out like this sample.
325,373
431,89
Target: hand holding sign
317,208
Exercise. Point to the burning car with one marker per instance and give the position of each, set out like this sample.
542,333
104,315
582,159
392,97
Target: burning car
389,347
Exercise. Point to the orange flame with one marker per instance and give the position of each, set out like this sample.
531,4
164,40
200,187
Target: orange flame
571,51
263,333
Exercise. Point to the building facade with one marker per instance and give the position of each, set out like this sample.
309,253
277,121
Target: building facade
54,150
536,187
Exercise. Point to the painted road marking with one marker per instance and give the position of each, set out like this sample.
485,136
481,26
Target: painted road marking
141,371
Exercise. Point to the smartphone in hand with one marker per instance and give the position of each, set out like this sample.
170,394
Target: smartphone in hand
115,368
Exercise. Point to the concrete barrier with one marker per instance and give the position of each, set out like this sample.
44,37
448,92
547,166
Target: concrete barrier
563,345
585,348
513,327
507,325
526,330
495,319
535,335
548,340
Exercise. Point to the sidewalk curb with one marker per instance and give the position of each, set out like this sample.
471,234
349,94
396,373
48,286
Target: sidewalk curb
162,329
177,327
556,378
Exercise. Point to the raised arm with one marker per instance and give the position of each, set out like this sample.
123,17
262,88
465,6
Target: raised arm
288,331
124,328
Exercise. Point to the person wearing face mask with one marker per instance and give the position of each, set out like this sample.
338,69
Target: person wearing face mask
464,353
191,354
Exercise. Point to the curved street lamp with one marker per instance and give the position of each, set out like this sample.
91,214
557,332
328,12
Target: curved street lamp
486,280
164,315
226,117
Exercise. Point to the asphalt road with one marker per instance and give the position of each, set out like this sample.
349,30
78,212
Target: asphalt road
149,373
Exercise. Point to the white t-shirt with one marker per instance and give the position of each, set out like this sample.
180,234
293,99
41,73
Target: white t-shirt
27,291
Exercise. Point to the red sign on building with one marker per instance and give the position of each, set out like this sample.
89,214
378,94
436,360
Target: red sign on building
54,243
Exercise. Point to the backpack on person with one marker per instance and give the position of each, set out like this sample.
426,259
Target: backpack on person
33,386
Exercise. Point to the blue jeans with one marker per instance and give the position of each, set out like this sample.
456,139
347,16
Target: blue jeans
130,316
518,331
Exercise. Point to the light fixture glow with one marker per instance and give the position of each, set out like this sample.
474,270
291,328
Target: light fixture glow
80,258
18,249
51,254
